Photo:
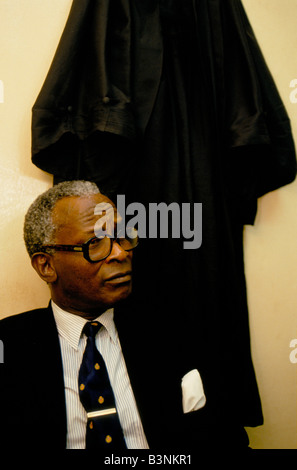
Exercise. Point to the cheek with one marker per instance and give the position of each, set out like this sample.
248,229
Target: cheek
78,272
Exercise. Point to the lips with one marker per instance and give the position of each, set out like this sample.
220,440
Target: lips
120,278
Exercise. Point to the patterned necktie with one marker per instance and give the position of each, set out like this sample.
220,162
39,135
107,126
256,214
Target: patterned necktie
103,425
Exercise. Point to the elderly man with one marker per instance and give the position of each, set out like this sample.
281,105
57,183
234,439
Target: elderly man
87,275
97,369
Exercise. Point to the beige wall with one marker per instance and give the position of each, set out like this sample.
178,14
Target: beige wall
271,249
29,33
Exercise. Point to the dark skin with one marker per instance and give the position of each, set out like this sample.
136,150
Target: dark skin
78,286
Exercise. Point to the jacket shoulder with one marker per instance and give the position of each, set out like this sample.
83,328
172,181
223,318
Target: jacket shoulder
24,320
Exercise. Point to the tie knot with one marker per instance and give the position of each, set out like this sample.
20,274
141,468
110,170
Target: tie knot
91,328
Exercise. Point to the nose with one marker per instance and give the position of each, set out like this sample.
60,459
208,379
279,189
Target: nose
117,253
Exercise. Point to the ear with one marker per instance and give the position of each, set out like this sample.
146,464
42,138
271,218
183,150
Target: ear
44,266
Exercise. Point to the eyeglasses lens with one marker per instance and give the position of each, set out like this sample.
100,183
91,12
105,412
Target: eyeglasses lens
99,248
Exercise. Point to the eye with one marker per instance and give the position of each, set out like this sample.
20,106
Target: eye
95,241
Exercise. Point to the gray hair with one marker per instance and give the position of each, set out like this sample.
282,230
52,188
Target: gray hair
39,228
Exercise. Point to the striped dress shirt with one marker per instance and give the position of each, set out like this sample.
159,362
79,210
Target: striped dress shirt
73,344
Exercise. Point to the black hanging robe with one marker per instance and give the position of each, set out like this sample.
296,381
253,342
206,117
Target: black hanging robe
172,101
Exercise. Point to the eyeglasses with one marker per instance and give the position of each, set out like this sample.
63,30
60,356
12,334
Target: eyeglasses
99,248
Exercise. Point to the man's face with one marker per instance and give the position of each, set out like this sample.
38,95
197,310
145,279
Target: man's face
82,287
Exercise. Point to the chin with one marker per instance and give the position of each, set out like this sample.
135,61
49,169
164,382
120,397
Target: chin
121,295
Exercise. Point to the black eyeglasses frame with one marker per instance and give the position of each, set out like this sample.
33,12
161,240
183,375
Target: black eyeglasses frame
84,247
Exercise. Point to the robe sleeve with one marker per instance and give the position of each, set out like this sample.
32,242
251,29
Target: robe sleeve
257,136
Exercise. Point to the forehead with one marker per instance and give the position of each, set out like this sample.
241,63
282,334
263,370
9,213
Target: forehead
76,214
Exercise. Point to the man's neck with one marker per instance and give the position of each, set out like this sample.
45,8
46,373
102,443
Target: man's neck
87,315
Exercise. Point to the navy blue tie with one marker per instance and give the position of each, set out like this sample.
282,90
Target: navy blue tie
103,425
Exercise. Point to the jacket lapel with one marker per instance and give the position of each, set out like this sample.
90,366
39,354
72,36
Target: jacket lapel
51,380
33,412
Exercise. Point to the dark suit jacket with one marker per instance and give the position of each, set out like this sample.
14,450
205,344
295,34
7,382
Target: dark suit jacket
32,401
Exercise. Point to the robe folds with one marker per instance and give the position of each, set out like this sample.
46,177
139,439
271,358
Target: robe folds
172,101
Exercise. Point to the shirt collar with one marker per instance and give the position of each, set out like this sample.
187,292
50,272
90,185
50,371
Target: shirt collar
70,326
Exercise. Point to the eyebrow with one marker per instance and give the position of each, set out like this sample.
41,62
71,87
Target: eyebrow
91,233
